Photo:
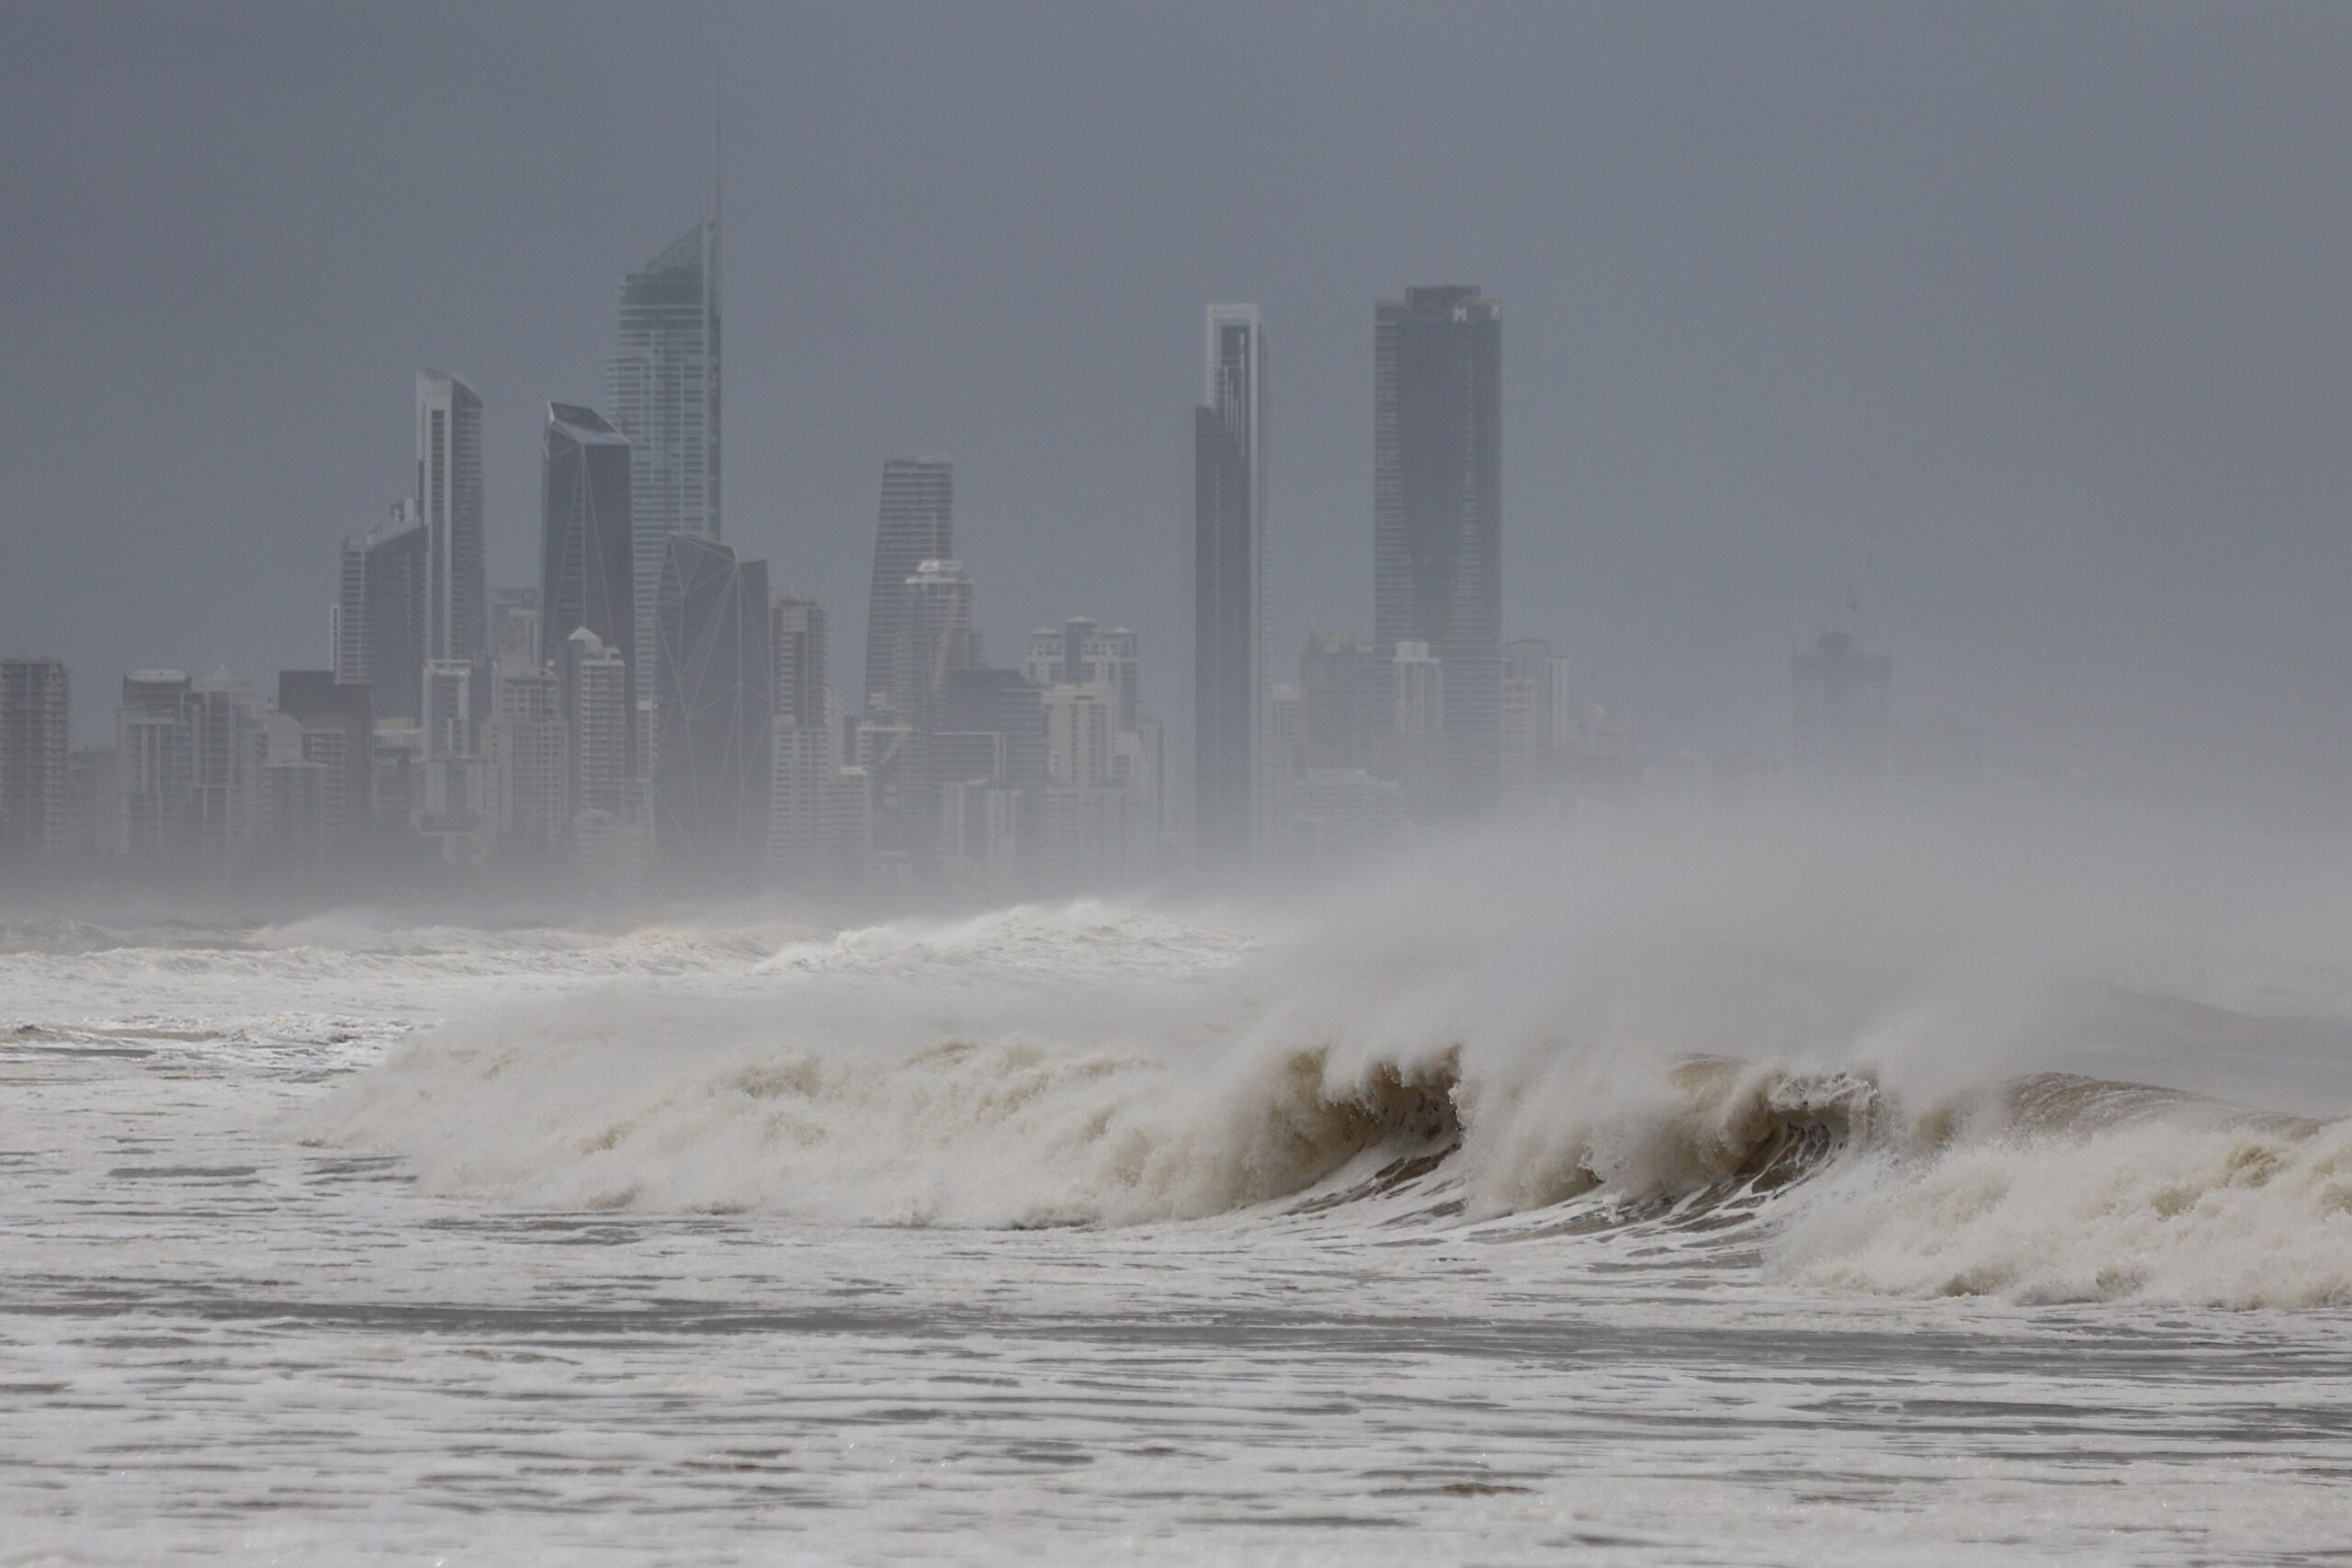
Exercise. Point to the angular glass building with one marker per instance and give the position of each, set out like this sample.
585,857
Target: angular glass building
661,391
1229,560
918,523
714,706
1437,519
587,544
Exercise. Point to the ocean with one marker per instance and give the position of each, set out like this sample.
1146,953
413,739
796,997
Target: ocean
1724,1206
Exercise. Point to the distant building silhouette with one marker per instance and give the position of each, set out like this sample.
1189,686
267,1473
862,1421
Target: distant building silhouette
1340,692
1437,520
716,710
337,735
1843,719
34,746
796,639
380,614
661,389
1229,473
450,498
587,561
155,763
917,524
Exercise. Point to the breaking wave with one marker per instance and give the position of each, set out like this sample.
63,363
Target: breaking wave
1767,1067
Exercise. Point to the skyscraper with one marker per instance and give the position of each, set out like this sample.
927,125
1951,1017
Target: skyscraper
1437,518
661,389
935,640
337,722
917,524
797,639
154,764
587,560
1229,431
716,709
380,614
449,498
33,746
1340,693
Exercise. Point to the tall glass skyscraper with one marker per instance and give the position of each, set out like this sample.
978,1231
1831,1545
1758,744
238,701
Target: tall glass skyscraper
918,523
1437,519
716,708
449,499
1230,432
587,546
661,391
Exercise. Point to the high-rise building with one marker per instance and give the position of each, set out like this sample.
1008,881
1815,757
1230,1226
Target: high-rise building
1537,721
587,543
661,391
449,498
380,614
527,758
936,641
1437,519
603,725
1229,430
1417,686
453,807
917,524
153,763
716,711
1340,690
34,744
514,626
93,801
796,637
295,798
337,732
1077,736
226,748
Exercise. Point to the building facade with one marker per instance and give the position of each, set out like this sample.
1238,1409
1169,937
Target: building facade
380,614
1437,520
449,499
34,745
917,524
1230,463
587,539
661,389
714,706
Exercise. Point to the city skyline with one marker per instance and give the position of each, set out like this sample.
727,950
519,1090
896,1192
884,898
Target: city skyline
1716,419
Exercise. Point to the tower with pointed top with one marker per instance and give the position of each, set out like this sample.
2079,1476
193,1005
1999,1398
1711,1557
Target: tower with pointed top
662,391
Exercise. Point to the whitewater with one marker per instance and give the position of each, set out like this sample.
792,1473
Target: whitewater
1660,1194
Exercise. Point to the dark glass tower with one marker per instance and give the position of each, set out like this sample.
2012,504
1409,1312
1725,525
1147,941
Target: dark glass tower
917,524
716,710
1228,554
1437,518
587,561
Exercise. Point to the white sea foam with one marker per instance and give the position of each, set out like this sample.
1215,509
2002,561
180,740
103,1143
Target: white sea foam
1643,1019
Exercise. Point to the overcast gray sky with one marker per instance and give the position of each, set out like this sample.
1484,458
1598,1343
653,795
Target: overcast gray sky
2033,318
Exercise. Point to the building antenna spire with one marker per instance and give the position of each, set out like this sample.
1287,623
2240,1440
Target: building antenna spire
717,145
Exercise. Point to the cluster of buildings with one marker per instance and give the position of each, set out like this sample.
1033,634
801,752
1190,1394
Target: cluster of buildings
655,713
